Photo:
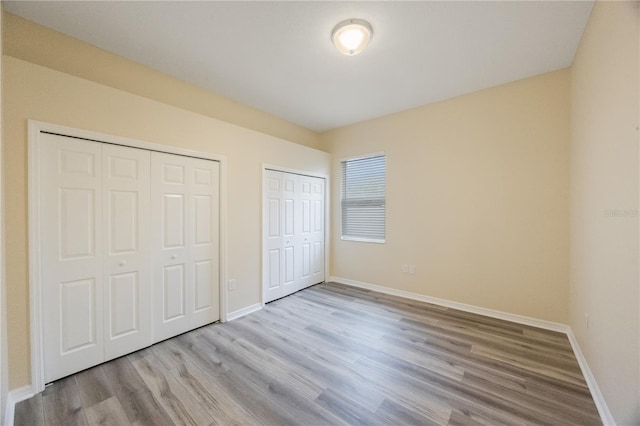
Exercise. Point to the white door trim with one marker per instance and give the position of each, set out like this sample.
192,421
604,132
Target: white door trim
267,166
35,285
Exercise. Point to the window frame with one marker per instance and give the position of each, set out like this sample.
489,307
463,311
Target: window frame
342,187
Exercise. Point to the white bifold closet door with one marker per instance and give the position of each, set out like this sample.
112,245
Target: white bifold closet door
293,224
129,247
185,244
94,252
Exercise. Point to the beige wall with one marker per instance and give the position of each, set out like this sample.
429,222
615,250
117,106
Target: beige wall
477,198
36,92
4,367
478,186
40,45
604,204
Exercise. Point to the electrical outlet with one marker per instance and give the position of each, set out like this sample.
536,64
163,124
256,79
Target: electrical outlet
412,269
232,284
405,269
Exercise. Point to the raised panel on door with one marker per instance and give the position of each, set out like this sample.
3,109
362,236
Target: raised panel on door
71,250
77,306
173,293
306,263
171,259
204,178
126,259
273,229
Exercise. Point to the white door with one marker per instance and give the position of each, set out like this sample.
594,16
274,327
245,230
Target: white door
184,202
306,213
291,233
273,236
118,251
316,228
293,227
126,254
204,305
71,254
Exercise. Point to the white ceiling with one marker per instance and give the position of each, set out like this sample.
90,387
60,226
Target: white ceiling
278,56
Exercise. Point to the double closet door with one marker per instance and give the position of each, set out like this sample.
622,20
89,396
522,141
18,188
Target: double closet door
128,247
293,225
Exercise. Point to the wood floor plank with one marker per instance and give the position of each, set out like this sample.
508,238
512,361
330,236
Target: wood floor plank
125,381
242,391
145,410
62,404
288,394
29,412
93,386
398,414
219,405
346,409
171,395
290,375
122,376
332,371
328,355
107,412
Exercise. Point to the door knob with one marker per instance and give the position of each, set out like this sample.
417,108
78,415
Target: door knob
174,256
122,263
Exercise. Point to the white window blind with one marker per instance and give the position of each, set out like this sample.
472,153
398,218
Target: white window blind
363,199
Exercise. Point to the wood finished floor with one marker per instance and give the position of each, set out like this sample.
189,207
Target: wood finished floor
332,355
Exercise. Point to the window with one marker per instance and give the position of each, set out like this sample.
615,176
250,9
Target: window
363,199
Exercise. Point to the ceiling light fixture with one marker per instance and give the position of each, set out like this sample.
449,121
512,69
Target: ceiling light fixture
352,36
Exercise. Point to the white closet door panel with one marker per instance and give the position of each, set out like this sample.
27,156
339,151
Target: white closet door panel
313,234
291,224
204,178
304,279
318,231
71,250
273,259
171,258
185,193
126,258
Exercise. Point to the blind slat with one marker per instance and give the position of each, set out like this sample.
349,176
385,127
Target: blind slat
364,198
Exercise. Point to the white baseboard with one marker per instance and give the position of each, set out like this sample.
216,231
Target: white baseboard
244,311
519,319
13,397
598,398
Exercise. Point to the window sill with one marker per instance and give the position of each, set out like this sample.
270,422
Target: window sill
363,240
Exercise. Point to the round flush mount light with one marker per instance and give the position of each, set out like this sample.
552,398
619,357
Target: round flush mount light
352,36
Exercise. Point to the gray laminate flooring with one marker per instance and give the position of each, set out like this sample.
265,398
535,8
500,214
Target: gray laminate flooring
333,354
